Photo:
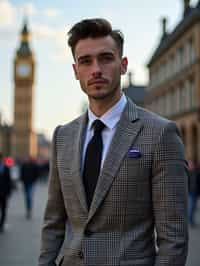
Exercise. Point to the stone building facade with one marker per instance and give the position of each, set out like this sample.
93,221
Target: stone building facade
174,73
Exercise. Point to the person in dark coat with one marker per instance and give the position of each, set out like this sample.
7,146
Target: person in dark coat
29,174
5,190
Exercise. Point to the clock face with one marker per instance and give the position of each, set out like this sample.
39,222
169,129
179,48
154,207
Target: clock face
23,70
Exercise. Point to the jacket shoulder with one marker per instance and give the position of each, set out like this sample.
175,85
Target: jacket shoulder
154,120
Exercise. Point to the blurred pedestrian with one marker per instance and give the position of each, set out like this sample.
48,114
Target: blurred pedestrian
5,190
193,191
29,174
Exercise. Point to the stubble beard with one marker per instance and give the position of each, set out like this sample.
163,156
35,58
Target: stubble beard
105,94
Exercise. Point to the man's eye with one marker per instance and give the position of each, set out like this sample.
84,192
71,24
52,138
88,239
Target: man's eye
85,61
106,58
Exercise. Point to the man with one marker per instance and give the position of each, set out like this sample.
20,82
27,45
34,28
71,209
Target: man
113,208
5,189
29,174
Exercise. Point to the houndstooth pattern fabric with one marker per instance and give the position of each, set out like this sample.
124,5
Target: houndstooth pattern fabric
134,197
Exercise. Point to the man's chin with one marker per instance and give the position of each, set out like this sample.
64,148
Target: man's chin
99,96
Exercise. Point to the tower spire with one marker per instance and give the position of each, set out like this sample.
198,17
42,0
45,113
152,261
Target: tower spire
25,34
24,48
164,27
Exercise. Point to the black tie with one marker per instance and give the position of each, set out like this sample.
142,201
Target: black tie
92,163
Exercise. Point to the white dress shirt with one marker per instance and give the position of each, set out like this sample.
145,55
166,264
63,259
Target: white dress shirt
110,119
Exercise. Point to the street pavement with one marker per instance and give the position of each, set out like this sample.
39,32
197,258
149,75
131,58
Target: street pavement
20,243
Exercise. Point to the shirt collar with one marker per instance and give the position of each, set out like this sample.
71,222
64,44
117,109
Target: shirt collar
111,117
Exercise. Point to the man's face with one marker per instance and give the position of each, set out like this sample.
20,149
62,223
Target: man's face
98,66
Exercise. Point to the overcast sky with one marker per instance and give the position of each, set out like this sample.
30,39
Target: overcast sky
58,96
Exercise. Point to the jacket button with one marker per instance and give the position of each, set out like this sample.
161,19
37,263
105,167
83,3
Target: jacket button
88,233
81,255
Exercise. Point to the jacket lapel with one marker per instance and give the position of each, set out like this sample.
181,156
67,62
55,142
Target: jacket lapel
126,131
76,158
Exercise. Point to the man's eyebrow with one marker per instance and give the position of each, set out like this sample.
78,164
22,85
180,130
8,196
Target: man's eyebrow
83,57
88,56
106,53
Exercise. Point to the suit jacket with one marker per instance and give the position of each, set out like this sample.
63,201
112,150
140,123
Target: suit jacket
141,195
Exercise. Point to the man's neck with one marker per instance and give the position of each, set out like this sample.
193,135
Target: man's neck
100,107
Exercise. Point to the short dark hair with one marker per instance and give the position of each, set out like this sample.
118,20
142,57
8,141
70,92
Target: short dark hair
94,28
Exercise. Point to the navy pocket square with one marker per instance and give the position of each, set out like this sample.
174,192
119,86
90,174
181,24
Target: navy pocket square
134,153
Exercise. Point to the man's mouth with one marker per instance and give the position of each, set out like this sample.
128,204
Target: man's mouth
97,82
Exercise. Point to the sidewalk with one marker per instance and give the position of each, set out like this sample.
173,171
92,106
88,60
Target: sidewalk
20,244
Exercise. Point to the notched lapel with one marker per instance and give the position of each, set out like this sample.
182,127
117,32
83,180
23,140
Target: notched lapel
76,152
127,130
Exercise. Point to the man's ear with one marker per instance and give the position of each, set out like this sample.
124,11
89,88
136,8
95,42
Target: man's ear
124,65
75,71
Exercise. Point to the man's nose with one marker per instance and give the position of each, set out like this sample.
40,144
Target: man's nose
96,69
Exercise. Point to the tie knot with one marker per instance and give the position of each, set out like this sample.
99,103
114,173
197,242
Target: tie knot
98,126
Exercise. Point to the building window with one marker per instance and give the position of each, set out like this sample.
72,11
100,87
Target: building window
155,78
169,70
174,102
151,79
166,70
171,102
192,93
176,62
178,100
180,60
187,95
160,74
171,66
191,51
182,99
187,53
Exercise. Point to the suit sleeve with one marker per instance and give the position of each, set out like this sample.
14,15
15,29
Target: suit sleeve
55,217
169,195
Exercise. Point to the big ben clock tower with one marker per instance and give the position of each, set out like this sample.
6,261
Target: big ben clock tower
24,138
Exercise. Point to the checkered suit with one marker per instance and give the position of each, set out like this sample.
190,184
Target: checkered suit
134,196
